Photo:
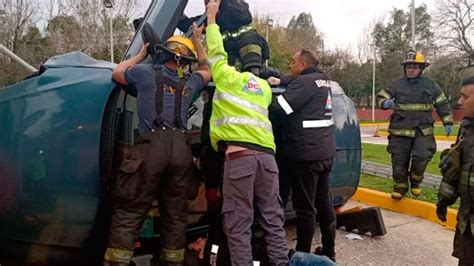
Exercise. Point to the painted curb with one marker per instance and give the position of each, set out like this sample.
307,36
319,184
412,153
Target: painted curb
406,205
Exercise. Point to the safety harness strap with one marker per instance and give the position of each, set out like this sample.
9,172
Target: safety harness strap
178,93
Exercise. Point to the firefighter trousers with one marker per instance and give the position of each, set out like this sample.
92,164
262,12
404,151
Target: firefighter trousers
410,156
159,167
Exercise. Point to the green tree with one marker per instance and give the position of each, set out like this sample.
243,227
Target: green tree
392,40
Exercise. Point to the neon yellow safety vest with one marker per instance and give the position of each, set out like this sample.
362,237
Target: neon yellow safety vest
240,102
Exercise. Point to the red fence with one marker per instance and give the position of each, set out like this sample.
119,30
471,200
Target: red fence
365,114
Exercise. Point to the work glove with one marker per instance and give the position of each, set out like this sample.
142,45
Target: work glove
449,130
441,211
388,104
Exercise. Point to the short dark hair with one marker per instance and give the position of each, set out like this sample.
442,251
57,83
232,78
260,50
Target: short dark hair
468,81
309,57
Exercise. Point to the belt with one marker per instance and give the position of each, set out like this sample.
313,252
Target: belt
238,154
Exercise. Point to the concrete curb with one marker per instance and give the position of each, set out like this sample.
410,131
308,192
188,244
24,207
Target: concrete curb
406,205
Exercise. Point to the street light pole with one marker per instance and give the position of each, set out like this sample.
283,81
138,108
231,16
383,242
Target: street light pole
373,83
109,4
111,38
413,25
269,24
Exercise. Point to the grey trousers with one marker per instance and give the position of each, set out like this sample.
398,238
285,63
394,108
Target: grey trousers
252,181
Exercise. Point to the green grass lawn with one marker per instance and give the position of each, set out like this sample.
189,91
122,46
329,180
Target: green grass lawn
438,130
378,154
386,185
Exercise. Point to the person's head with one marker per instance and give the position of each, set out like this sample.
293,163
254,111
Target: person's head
302,60
414,64
466,101
180,49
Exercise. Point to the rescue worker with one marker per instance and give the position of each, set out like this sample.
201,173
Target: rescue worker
411,141
241,41
239,126
309,144
457,167
160,164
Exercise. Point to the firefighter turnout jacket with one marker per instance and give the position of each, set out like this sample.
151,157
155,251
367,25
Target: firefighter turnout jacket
460,184
414,103
240,102
306,106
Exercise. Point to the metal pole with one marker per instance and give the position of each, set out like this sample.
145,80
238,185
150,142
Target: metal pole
266,37
111,38
17,59
413,25
373,84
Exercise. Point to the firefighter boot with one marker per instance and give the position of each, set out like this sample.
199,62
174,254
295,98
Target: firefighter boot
399,190
400,163
416,175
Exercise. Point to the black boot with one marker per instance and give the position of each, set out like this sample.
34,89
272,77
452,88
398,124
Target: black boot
321,252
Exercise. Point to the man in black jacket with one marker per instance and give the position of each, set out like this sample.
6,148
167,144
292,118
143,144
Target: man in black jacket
308,141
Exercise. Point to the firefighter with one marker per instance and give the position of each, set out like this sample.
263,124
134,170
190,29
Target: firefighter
457,167
160,164
239,125
308,142
411,140
241,41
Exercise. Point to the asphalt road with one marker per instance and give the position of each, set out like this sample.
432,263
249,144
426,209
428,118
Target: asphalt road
409,241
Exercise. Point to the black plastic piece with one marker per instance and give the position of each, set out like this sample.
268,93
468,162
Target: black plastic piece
366,220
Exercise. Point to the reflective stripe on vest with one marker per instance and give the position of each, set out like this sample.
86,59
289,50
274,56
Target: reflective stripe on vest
414,106
284,104
237,33
317,123
467,179
118,255
402,132
251,48
447,191
172,255
240,101
243,121
440,99
428,131
447,118
384,94
214,59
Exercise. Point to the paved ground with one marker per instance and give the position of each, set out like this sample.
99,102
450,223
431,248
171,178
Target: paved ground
367,133
409,241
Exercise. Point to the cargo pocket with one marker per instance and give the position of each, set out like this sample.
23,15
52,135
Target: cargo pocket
271,167
240,172
228,215
127,182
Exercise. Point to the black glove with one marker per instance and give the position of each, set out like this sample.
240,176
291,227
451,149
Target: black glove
441,210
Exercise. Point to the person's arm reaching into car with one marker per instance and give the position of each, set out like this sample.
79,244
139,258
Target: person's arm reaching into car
203,68
223,75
